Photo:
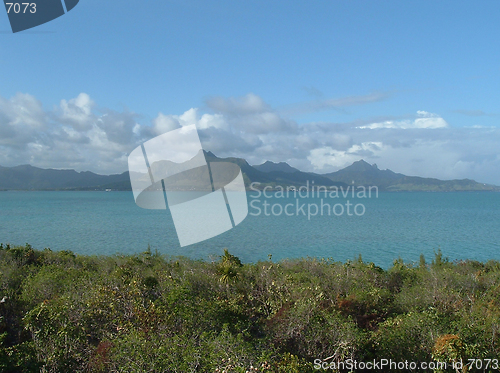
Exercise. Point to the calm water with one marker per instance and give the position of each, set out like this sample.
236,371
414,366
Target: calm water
463,225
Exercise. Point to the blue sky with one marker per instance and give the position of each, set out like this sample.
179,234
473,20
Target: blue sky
410,85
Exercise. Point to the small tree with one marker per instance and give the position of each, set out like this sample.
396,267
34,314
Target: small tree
228,268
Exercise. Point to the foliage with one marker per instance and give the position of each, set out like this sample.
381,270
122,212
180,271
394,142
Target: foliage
62,312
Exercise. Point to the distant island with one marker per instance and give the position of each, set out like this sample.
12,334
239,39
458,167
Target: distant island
268,174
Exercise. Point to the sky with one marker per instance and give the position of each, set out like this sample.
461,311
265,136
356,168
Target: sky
412,86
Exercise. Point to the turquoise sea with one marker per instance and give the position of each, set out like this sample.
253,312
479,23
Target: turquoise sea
464,225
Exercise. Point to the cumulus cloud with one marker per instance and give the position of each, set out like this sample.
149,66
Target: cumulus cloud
250,114
78,134
449,153
22,121
23,109
164,123
327,156
77,112
73,135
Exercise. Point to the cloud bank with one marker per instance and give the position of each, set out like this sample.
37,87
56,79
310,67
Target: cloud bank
79,134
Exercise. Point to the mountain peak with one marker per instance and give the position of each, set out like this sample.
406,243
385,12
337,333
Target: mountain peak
361,165
269,166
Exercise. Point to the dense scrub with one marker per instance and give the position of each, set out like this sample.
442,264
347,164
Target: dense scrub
60,312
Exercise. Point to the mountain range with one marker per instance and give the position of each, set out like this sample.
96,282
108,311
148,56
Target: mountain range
360,173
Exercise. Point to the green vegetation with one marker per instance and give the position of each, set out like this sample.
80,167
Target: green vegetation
61,312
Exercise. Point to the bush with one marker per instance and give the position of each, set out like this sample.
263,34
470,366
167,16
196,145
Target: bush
63,312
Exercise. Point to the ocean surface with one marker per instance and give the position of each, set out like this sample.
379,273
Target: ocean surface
464,225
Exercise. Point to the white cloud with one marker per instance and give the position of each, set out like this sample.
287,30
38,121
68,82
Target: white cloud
78,135
213,120
77,112
423,119
22,121
249,114
23,110
72,135
164,123
325,156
